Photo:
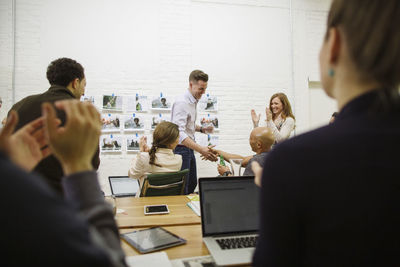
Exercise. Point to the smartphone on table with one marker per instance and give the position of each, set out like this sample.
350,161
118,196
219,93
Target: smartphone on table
156,209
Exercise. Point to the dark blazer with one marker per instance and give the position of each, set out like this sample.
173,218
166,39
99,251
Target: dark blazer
331,197
29,109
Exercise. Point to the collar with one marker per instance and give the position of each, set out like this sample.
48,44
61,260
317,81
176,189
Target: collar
59,88
359,104
165,151
190,97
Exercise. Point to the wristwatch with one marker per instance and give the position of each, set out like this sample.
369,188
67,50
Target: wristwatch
226,173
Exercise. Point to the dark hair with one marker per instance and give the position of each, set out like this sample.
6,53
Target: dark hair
334,114
62,71
286,107
198,75
164,134
371,28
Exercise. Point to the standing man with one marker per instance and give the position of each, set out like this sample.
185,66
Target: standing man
184,114
67,81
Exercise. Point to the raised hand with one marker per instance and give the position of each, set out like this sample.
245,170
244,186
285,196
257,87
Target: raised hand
75,143
255,118
143,147
26,147
268,114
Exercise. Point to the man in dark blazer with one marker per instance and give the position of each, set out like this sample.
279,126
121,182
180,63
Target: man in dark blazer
67,80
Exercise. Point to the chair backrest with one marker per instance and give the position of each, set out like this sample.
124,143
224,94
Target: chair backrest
164,184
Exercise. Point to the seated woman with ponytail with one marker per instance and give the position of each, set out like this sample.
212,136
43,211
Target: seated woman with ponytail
160,157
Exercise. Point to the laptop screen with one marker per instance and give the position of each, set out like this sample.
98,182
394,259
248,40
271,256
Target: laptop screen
123,186
229,205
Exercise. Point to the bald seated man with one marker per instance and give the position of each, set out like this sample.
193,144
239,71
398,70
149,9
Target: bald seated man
261,139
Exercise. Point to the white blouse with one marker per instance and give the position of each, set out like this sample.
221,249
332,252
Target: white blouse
165,157
281,128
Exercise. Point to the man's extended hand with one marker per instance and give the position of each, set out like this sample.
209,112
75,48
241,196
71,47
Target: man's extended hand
207,153
75,143
24,147
143,147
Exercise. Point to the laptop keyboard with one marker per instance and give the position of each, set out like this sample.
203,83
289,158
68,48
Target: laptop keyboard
237,242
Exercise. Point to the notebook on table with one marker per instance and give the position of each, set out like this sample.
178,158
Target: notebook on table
123,186
229,218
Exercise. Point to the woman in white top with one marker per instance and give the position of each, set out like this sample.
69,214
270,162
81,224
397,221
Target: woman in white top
160,157
280,118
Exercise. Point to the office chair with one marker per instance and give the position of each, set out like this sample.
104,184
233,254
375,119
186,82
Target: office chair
164,184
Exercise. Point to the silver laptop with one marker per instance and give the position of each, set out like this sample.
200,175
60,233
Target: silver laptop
229,218
123,186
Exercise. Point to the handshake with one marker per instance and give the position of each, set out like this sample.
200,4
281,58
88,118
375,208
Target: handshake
209,153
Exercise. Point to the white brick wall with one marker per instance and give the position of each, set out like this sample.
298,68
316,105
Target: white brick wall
151,46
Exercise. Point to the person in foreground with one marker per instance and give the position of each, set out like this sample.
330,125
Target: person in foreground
160,157
40,228
314,213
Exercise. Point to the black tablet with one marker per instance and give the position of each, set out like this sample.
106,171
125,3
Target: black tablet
152,239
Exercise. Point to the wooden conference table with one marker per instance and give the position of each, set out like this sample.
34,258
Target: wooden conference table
181,221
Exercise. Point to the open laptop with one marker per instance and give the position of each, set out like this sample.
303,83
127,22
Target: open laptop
123,186
229,218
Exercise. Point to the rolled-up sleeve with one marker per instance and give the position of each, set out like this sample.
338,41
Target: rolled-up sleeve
179,116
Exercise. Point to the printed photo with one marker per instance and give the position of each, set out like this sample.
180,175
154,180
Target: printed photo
161,102
133,123
206,139
208,120
155,120
132,143
208,103
112,102
110,143
136,103
110,122
86,98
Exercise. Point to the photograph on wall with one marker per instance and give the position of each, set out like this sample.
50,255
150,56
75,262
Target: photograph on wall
86,98
112,102
137,103
161,102
208,103
110,143
133,122
110,122
209,120
207,139
132,142
155,120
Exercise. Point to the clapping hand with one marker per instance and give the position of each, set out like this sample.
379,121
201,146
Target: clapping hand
143,144
26,147
76,142
268,114
255,118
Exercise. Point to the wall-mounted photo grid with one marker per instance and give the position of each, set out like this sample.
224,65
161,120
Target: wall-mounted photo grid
124,119
126,116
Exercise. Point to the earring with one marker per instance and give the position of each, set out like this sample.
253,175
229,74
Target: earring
331,72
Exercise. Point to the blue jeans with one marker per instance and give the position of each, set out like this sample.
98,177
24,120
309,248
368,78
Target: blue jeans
188,162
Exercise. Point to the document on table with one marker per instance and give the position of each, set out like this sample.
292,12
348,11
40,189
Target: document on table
194,262
159,259
194,204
